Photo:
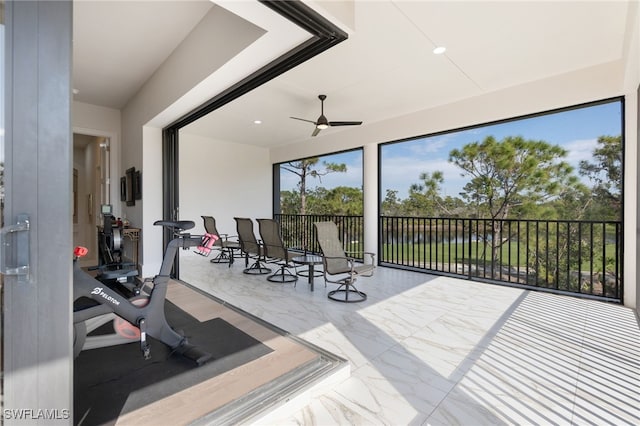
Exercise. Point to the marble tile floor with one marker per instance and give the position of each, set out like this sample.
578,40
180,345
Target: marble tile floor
431,350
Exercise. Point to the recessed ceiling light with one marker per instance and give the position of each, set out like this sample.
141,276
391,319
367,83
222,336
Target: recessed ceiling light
257,121
75,91
439,50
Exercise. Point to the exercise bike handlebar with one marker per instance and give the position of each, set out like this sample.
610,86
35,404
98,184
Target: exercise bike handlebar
180,240
179,225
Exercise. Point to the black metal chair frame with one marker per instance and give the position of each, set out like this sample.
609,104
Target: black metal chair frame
276,252
251,247
337,263
224,245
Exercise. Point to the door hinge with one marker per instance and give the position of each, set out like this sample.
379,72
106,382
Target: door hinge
14,248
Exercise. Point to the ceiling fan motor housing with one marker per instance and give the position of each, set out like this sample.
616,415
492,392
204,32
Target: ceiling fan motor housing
322,122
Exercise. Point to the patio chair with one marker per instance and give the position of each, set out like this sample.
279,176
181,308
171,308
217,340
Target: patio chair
276,252
225,246
340,268
251,248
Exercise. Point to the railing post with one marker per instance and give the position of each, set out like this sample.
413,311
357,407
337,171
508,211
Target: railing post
469,247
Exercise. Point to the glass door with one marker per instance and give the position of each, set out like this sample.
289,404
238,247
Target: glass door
2,102
37,360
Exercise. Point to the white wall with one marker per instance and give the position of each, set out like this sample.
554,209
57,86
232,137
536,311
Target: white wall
151,203
223,180
197,57
632,158
100,118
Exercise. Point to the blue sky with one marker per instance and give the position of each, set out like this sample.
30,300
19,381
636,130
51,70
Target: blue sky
575,130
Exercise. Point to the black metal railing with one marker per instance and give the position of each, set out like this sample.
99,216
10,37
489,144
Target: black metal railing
566,256
298,232
570,256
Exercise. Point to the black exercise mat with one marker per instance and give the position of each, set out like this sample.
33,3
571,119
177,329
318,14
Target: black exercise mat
109,382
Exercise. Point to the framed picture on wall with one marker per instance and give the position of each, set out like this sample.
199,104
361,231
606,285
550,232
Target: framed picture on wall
137,185
123,188
131,179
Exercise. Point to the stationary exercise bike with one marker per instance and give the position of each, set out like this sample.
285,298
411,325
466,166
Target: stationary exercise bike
133,318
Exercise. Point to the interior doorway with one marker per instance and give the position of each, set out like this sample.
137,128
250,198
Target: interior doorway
91,189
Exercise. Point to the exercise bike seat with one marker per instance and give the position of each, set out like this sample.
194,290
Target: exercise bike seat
180,225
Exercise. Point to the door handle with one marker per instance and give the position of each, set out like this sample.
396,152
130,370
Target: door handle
14,248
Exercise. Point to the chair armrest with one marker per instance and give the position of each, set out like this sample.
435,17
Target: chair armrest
371,255
351,261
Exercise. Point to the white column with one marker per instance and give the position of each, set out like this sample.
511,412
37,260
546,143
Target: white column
370,193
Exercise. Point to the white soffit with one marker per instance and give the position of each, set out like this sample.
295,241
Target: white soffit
117,45
281,36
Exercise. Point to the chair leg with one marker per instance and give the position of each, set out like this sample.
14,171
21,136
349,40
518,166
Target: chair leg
223,257
256,269
232,256
282,276
347,293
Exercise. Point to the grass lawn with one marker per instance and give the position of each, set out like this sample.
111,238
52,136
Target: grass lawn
513,254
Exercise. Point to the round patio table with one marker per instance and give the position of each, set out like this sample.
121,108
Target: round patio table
311,260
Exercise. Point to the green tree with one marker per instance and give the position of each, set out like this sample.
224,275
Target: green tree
308,168
511,176
425,198
341,200
605,171
391,205
289,202
554,249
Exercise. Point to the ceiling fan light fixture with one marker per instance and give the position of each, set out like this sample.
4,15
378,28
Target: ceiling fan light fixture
322,122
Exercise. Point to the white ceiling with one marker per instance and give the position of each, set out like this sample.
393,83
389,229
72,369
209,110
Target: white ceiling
385,69
118,45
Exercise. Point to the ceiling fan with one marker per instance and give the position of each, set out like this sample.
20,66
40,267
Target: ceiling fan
322,123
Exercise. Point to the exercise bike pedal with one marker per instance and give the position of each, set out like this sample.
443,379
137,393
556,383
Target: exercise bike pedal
193,353
146,352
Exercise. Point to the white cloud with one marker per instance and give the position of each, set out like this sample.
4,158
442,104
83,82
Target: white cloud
579,150
400,172
432,145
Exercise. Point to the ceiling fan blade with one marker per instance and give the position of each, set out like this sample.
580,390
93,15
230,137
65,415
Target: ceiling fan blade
303,119
315,132
344,123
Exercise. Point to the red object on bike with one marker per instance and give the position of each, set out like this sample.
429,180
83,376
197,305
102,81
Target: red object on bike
80,251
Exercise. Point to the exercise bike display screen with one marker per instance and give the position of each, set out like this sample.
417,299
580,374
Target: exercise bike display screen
106,209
